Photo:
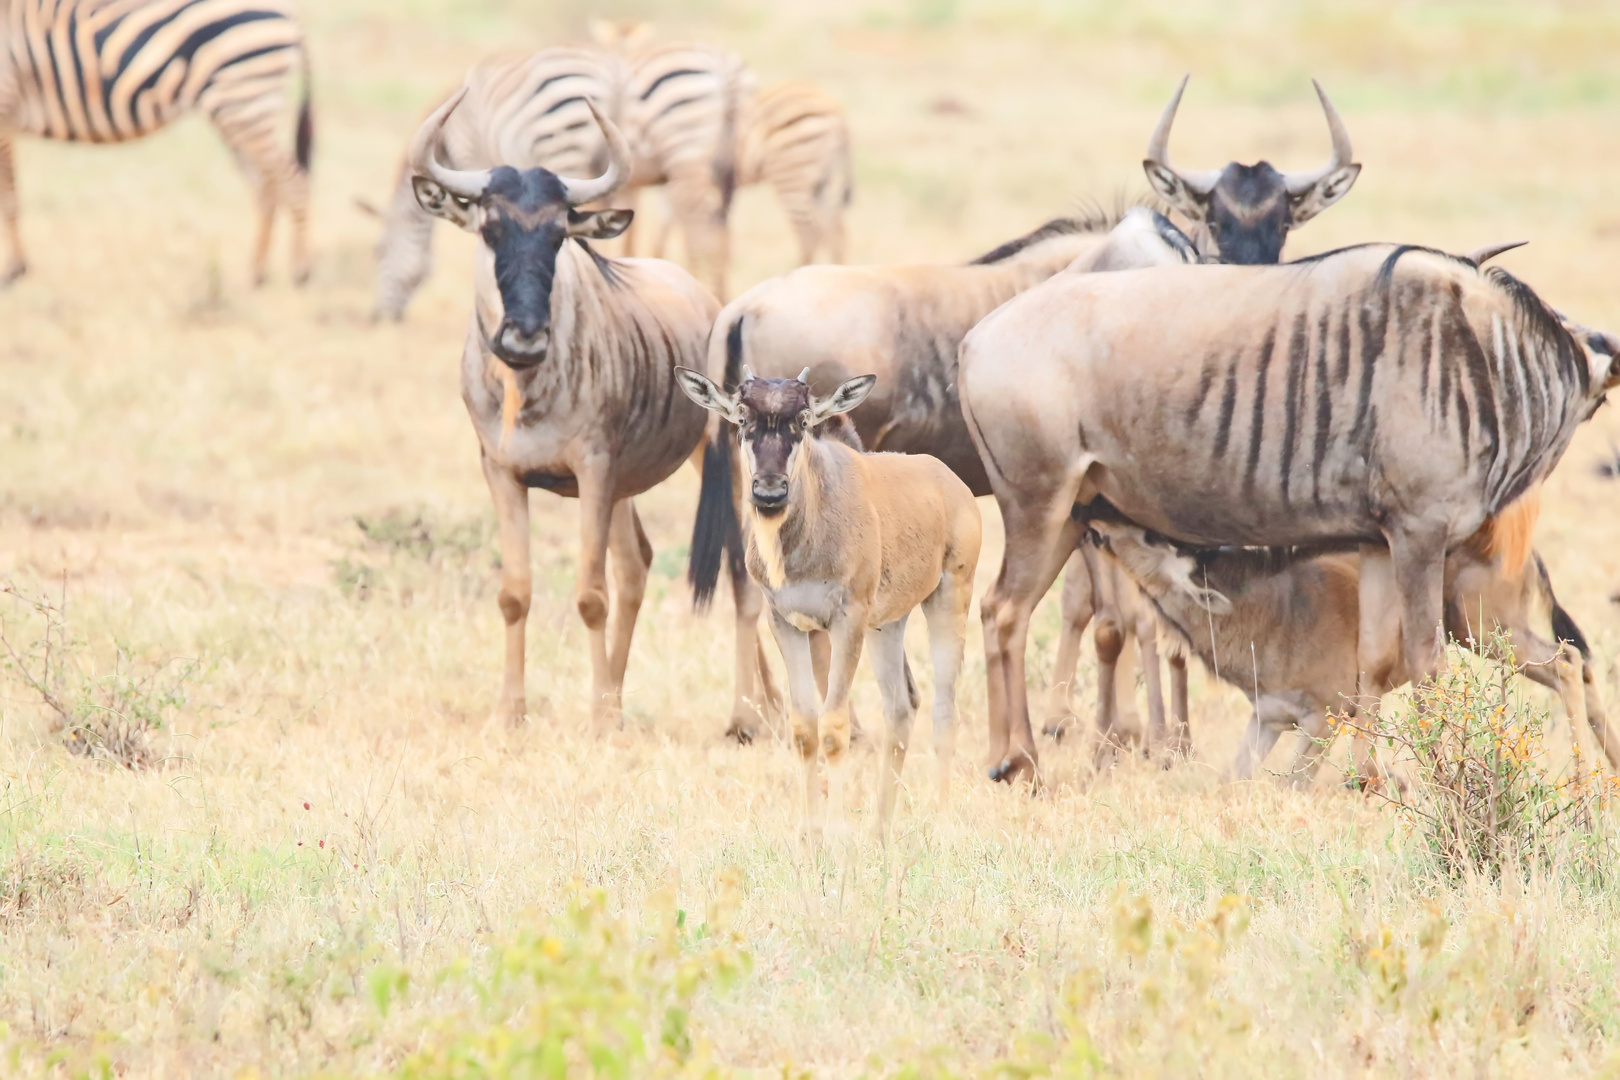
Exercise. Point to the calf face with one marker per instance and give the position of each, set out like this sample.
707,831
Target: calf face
773,416
523,217
1249,209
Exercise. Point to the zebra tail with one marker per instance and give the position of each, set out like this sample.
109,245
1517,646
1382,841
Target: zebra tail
716,532
304,141
725,161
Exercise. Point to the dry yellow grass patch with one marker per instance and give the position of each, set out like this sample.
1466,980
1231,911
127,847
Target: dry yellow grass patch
189,458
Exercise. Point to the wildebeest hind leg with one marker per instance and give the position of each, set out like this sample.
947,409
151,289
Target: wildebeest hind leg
1419,558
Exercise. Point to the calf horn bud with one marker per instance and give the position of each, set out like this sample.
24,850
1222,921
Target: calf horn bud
423,156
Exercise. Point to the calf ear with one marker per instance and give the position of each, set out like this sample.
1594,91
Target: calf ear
1324,193
1212,601
441,204
841,400
698,387
598,224
1173,190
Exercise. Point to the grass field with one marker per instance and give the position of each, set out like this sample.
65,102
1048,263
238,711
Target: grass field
183,463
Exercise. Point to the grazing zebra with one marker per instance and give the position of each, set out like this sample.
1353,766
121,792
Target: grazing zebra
796,139
108,71
530,111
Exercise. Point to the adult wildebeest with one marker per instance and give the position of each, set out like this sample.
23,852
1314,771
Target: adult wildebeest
849,543
904,323
1378,394
1284,627
101,72
569,377
1249,209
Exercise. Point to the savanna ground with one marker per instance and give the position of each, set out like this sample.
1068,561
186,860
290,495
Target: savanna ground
185,461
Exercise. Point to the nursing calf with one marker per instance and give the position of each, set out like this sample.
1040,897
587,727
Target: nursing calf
1284,628
849,543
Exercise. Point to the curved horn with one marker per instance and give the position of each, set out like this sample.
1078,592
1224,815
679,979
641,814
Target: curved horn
1158,151
1491,251
578,192
423,157
1301,182
804,376
747,373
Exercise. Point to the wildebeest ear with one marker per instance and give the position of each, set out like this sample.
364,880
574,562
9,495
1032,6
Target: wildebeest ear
598,224
1173,190
843,399
701,390
440,203
1324,193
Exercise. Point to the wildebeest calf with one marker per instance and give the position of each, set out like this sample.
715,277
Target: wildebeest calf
849,543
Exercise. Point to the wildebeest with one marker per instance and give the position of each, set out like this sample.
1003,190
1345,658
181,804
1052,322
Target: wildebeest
849,543
528,111
1284,627
569,376
904,323
1378,394
1248,210
91,71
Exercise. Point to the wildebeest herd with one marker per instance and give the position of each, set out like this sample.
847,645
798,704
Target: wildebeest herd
1304,473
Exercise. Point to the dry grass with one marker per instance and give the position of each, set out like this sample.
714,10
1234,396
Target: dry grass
192,456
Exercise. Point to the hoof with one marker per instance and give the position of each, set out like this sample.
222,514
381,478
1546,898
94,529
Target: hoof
512,712
301,276
742,730
1056,729
12,273
1015,767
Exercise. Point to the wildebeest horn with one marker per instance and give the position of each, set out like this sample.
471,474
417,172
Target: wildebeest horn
578,192
1301,182
1490,251
424,155
367,207
1202,182
748,373
804,376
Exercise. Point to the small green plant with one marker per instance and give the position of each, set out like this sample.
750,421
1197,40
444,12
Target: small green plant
404,550
582,996
108,715
1482,794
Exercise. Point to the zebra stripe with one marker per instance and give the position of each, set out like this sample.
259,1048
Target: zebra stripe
796,139
110,71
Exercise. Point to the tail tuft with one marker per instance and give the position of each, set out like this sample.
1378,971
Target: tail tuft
716,532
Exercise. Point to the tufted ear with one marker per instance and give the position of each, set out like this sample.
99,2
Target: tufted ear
598,224
701,390
1323,194
841,400
440,203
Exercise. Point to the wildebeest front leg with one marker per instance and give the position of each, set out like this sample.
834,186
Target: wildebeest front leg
895,685
1419,558
847,632
590,591
16,263
512,515
632,557
1078,605
804,713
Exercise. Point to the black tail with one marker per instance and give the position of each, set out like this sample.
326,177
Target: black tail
1563,627
304,141
716,534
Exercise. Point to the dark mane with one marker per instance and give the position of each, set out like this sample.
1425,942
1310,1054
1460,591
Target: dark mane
604,265
1093,218
1543,323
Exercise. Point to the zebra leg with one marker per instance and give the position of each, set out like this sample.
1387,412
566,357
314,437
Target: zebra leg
268,168
631,557
16,265
696,206
512,513
1078,607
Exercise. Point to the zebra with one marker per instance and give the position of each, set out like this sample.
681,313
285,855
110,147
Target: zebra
109,71
796,139
528,110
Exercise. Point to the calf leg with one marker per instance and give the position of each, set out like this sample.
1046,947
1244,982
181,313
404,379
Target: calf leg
1147,642
748,704
16,264
1315,736
804,714
821,656
1598,718
947,611
1378,654
899,693
1180,744
632,557
512,515
1078,607
1265,728
847,633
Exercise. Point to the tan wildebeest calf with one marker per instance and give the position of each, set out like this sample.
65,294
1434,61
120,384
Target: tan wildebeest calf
849,543
1285,628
